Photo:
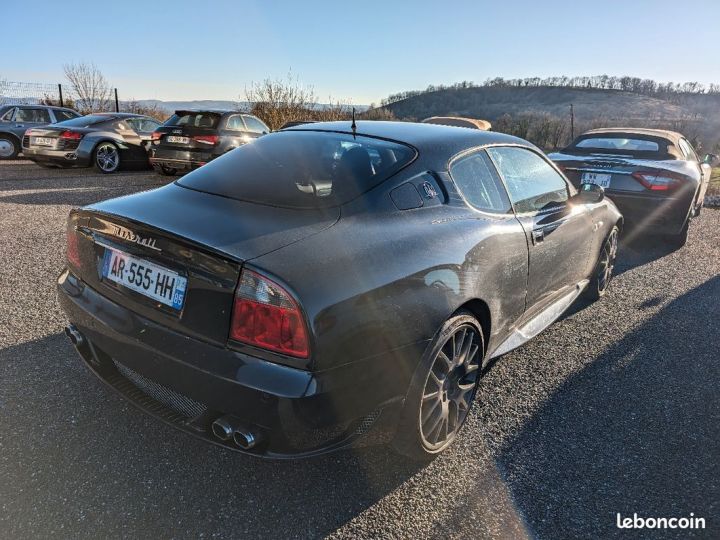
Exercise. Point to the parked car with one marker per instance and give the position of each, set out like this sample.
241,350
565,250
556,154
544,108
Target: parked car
325,282
654,176
190,139
106,140
15,120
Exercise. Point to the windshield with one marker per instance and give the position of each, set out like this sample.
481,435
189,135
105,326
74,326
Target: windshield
85,121
302,169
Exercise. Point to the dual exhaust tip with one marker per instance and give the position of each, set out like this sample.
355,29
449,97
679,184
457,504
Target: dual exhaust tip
228,428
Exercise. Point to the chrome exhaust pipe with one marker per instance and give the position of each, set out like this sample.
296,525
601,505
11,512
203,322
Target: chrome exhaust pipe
224,427
75,336
246,439
229,427
71,156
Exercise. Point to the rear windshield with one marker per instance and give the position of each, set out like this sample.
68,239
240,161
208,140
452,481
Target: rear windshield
85,121
199,119
301,169
618,144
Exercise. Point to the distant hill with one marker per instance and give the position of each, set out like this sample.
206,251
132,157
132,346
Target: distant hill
171,106
696,115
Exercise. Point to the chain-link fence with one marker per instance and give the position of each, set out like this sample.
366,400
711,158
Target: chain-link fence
28,93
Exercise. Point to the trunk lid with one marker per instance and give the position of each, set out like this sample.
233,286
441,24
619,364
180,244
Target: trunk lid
198,237
620,168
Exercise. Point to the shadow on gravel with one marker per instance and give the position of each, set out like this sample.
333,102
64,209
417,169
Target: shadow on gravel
77,459
637,431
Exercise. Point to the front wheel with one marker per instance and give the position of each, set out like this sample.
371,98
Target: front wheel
9,147
107,158
442,389
603,273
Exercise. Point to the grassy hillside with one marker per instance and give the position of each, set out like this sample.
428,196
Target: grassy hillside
696,115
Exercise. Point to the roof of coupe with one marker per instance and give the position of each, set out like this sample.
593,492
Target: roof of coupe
422,136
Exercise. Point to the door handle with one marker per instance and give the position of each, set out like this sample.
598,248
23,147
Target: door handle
538,235
19,125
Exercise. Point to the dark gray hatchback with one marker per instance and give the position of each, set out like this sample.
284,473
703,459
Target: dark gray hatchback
191,138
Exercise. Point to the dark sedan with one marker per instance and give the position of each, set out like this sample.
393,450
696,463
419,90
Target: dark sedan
108,141
189,139
327,283
654,176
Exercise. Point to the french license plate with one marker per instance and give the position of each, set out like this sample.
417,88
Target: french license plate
42,141
146,278
176,139
602,180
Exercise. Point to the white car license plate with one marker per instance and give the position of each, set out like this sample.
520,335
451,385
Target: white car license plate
176,139
42,141
144,277
602,180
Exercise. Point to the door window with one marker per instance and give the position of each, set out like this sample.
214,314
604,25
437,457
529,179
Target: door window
688,151
255,125
235,123
63,115
479,185
40,116
143,125
532,183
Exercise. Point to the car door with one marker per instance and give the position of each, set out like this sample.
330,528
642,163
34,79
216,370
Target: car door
560,235
234,133
143,127
255,128
29,117
135,150
480,186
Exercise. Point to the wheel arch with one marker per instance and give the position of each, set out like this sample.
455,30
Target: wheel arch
17,139
481,311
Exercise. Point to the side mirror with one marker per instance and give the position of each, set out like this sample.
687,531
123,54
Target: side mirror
711,159
589,194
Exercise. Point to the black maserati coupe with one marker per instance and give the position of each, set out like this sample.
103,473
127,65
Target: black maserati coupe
654,176
332,283
107,141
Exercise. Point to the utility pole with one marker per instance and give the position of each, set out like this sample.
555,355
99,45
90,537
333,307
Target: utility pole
572,122
117,103
60,92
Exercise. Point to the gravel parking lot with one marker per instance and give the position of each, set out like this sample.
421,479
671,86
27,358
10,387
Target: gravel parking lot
615,408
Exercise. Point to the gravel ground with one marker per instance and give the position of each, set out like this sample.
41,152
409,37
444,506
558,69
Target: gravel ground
615,408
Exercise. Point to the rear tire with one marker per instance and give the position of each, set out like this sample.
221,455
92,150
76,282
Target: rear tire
603,272
106,157
9,146
442,389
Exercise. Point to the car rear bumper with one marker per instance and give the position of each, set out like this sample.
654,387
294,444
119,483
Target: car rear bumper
189,383
651,213
181,160
75,157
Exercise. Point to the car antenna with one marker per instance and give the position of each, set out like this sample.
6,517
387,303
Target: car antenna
353,126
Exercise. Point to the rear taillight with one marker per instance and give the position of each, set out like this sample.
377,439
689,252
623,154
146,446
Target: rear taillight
206,139
658,180
73,248
71,135
266,316
156,136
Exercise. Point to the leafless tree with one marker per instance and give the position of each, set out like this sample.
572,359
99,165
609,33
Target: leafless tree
276,101
91,90
153,111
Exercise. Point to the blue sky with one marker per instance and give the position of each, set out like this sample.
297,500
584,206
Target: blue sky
357,51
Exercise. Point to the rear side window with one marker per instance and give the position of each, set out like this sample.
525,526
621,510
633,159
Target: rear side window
478,184
688,151
143,125
623,144
32,115
301,169
200,119
255,125
532,183
63,115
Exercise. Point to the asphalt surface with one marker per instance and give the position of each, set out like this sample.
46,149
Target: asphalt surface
615,408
